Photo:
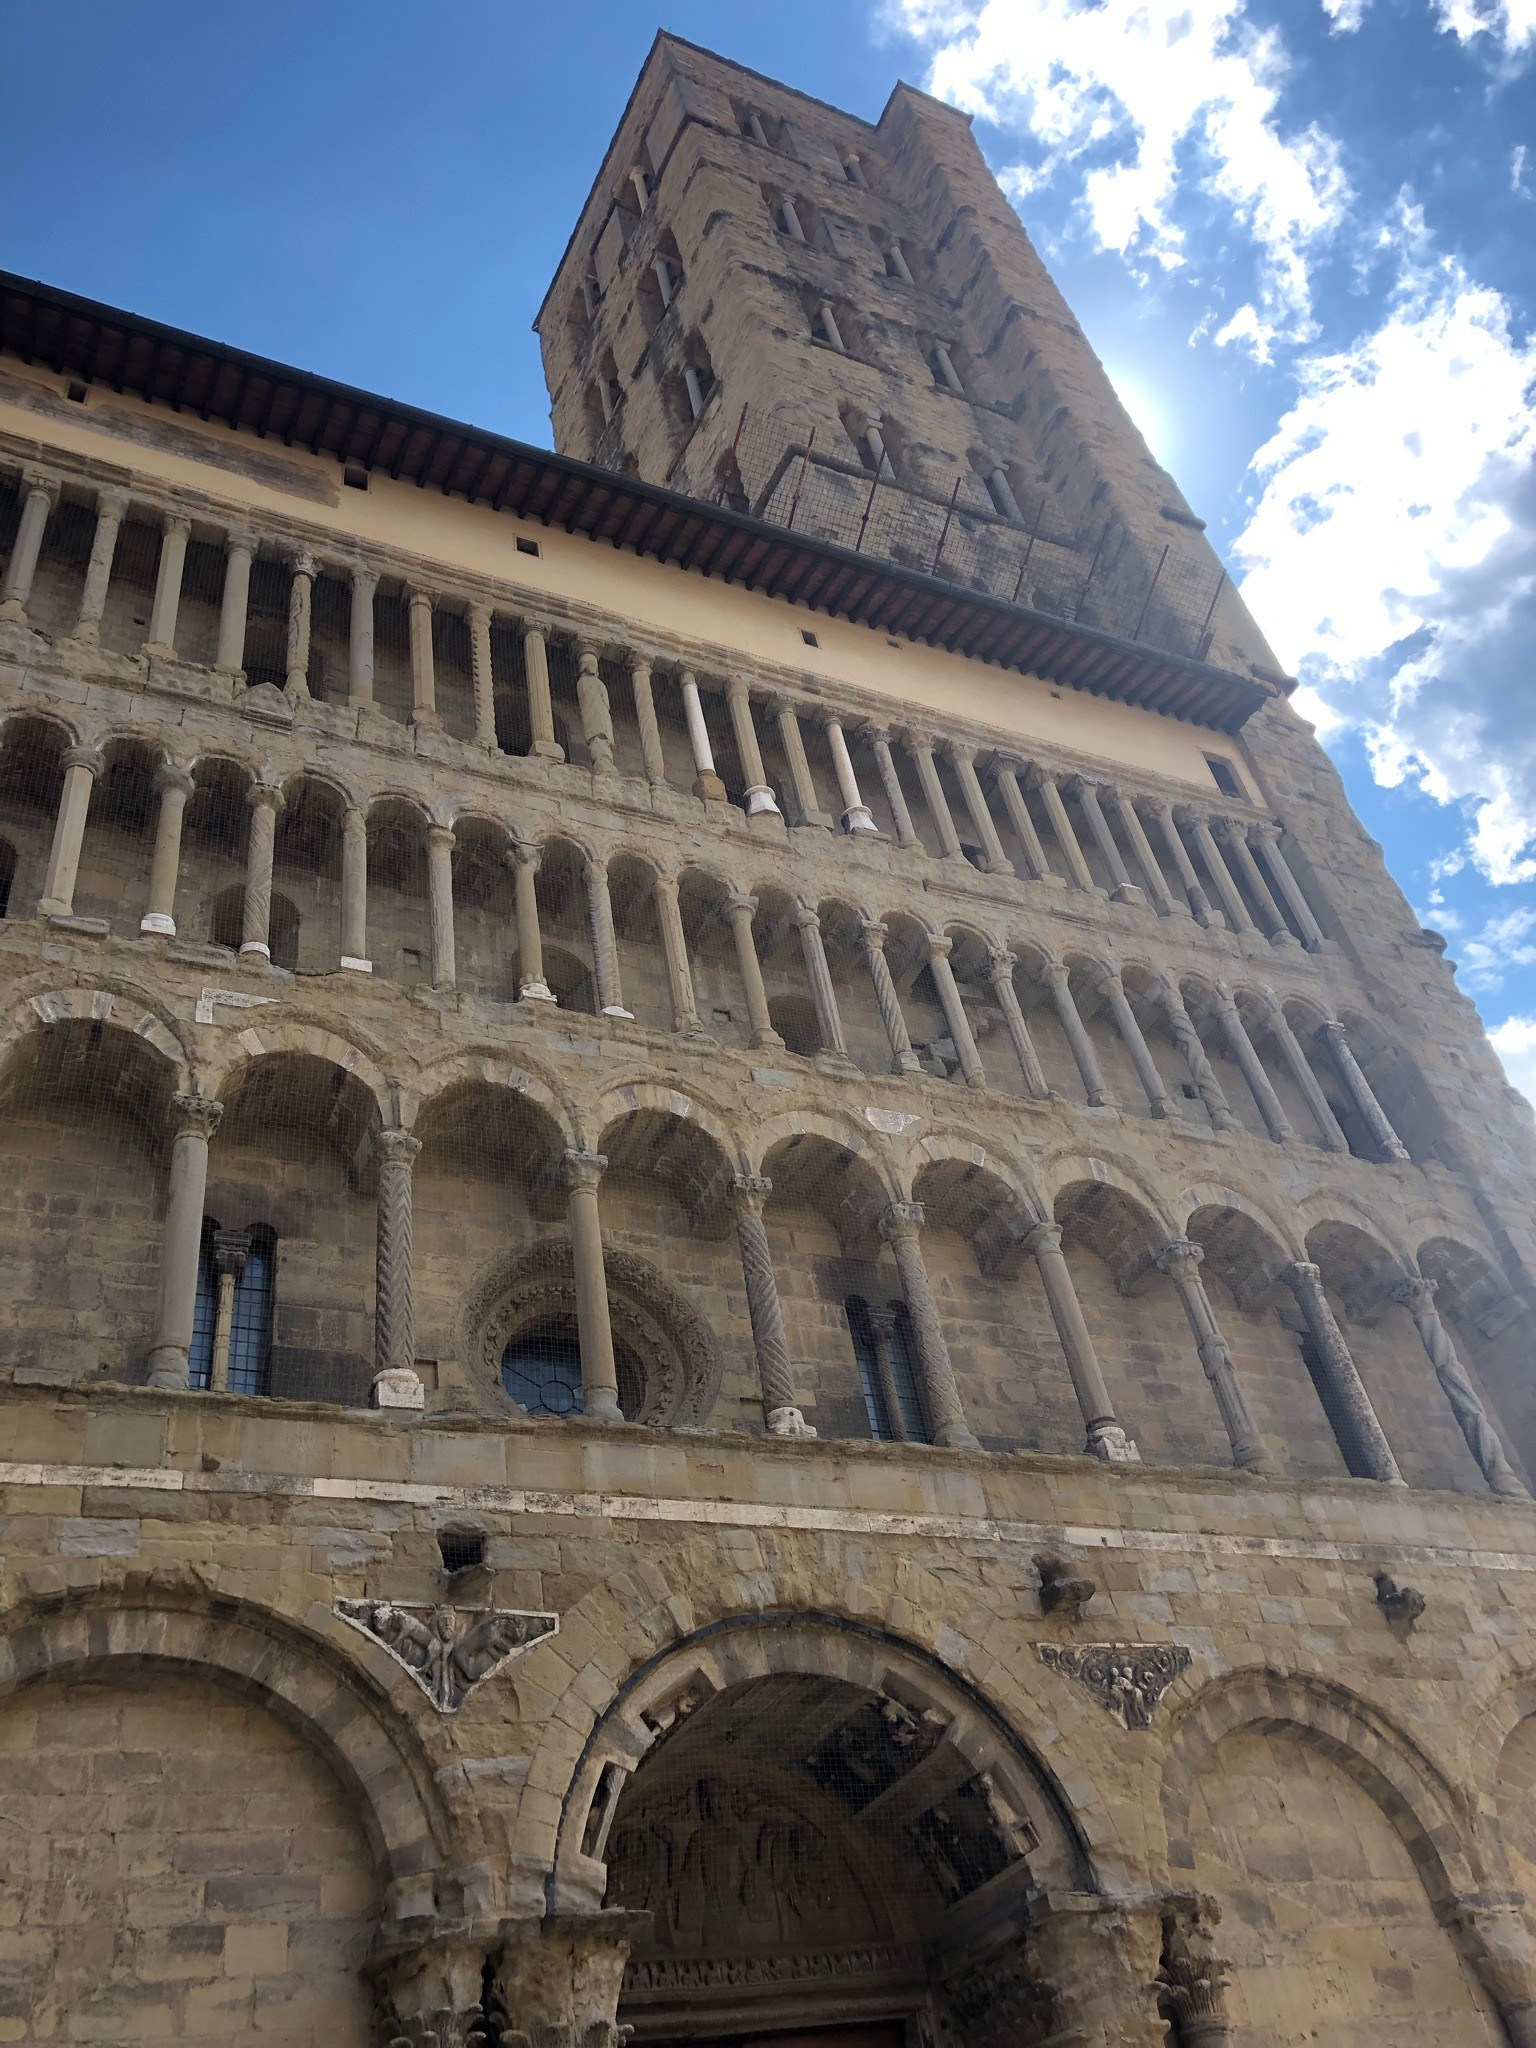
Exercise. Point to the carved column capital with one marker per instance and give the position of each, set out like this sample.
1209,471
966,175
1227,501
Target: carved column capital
170,774
1044,1237
264,796
524,854
583,1170
1415,1293
939,945
41,483
1301,1273
874,934
397,1148
1000,965
113,504
441,837
805,918
89,757
902,1220
195,1116
740,905
751,1191
1180,1258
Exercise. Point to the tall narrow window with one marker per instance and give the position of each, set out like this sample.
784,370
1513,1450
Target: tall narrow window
232,1312
884,1354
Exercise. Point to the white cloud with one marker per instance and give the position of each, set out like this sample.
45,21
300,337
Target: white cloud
1156,85
1345,15
1515,1043
1392,553
1509,25
1504,943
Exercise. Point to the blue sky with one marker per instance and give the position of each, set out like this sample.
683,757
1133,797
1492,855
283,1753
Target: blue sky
1302,234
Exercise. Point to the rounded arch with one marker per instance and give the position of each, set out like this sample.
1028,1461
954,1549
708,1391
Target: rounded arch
840,1132
979,1196
632,1097
1428,1815
120,1010
378,802
741,1651
1217,1206
493,1070
1069,1167
357,1709
325,779
293,1035
1509,1707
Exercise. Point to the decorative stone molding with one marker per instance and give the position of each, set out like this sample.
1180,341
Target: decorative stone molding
447,1651
1127,1679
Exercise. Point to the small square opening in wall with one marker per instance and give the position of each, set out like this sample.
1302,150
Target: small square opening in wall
74,391
809,637
528,547
462,1549
1226,777
354,476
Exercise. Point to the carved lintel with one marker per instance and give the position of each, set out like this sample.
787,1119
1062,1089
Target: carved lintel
1127,1679
447,1650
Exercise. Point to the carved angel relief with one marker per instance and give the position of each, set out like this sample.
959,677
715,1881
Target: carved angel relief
1127,1679
447,1650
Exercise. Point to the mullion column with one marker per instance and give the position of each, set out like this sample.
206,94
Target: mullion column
1122,889
920,746
954,1010
395,1382
645,717
264,801
963,761
39,495
823,995
757,796
1260,1087
706,779
856,813
194,1120
300,614
531,985
900,1227
1194,1055
1352,1075
423,662
1061,825
82,765
1000,968
111,510
541,711
1268,837
596,712
360,636
740,909
1226,888
235,603
1417,1295
354,892
1059,980
1180,1260
775,1374
1007,772
1105,1437
1234,836
440,845
1300,1066
793,742
174,786
903,1058
880,743
1146,859
483,677
175,533
1158,1099
605,947
594,1327
1199,904
674,943
1350,1400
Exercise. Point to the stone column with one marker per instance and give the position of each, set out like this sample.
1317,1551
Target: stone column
856,813
900,1227
1417,1295
903,1058
82,765
829,1023
531,985
1301,1073
231,1251
300,609
39,494
605,947
1234,841
484,680
423,668
174,786
365,583
175,533
599,1376
741,909
1268,837
264,801
963,761
674,943
1180,1260
194,1119
774,1371
1159,1101
111,510
1099,1960
440,845
596,713
882,1330
1007,770
1059,981
394,1312
431,1995
954,1010
1199,903
1241,1047
793,743
645,714
1146,859
880,740
706,782
1226,888
234,603
1201,1072
541,712
758,797
1000,968
1193,1979
1492,1933
1105,1438
920,746
1122,889
1361,1093
1066,837
354,892
1350,1400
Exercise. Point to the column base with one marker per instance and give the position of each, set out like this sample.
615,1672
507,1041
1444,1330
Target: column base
158,650
398,1386
1260,1457
1128,893
167,1366
431,719
157,922
13,609
760,798
1283,941
535,992
955,1436
618,1010
86,634
858,818
297,687
788,1422
547,750
601,1404
254,950
999,867
711,789
906,1063
1109,1442
355,966
767,1041
54,906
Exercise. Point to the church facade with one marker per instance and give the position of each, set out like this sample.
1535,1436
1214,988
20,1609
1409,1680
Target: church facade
755,1283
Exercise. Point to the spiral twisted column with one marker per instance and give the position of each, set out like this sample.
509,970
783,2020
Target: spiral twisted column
482,677
394,1314
1367,1453
1417,1295
1193,1054
873,936
1000,966
901,1228
1180,1259
774,1371
265,800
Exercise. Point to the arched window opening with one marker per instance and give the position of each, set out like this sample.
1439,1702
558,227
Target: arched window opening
541,1370
231,1349
885,1354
